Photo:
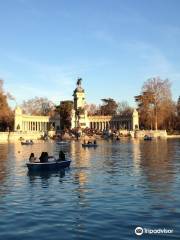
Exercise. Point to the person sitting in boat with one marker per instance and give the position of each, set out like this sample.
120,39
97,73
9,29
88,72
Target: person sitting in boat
32,158
62,156
41,157
44,157
95,142
89,142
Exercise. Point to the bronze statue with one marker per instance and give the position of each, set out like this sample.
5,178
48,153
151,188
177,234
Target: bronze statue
79,81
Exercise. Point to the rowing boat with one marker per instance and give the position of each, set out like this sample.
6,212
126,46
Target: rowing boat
48,166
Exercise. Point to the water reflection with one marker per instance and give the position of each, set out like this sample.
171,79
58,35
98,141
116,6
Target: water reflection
22,152
44,176
3,161
129,180
136,154
157,165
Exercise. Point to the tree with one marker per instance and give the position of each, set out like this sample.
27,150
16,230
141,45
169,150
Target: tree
155,103
178,114
109,106
124,108
6,114
92,109
65,110
38,106
178,107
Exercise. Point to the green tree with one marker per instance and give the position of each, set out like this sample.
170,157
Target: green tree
109,106
65,109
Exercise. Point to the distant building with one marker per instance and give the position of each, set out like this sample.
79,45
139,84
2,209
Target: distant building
31,123
81,119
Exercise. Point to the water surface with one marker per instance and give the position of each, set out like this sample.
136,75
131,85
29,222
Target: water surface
107,192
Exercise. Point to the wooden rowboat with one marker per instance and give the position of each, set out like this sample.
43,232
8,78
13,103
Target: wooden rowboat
27,142
89,145
147,138
54,165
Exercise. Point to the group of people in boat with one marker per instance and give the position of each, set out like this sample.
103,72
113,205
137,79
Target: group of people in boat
27,142
44,157
89,142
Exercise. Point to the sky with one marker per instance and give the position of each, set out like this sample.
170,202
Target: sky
113,45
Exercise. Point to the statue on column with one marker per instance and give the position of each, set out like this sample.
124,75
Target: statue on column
79,82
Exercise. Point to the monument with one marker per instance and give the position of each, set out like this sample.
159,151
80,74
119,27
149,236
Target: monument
81,119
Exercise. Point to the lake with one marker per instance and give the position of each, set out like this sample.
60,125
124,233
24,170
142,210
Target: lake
106,193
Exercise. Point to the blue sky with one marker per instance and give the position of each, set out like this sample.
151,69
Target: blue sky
114,45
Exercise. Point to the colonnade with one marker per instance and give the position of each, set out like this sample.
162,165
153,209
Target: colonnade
98,125
34,126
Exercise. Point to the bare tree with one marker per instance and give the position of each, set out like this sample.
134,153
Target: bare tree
124,108
92,109
38,106
6,114
155,103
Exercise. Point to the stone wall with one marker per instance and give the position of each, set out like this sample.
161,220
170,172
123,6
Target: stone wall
15,136
152,133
